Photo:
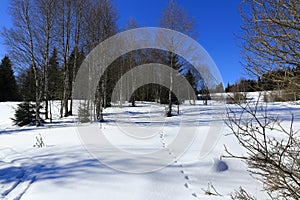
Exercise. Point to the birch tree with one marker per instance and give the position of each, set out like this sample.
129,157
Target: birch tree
64,27
21,40
46,12
99,24
175,18
79,7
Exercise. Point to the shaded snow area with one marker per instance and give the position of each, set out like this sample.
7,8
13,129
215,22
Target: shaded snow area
64,169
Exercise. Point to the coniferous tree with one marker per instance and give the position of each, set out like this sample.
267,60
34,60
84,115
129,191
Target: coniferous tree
191,79
75,60
227,88
27,85
8,86
25,114
55,78
83,112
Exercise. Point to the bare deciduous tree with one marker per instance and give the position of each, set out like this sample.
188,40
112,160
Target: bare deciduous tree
45,26
270,38
273,149
270,42
64,27
132,56
99,24
68,26
242,194
175,18
78,6
22,42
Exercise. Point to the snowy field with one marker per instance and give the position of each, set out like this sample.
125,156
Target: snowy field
64,169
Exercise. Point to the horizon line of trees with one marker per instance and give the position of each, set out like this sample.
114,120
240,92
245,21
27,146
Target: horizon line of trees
268,81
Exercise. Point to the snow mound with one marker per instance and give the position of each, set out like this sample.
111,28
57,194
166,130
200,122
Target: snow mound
220,166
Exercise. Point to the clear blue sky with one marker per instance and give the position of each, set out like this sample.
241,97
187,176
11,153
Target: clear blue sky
216,21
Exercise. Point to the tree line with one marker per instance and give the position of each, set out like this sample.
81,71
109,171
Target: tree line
275,79
50,39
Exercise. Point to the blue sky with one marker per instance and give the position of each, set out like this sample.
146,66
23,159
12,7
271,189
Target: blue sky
216,22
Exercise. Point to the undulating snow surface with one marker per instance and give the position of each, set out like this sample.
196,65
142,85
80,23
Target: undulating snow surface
64,169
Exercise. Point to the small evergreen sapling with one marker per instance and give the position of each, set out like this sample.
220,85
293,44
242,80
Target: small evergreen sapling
83,112
25,114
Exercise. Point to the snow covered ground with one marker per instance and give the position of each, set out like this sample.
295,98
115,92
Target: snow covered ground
64,169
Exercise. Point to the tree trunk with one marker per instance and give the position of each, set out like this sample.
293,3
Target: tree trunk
169,112
37,99
66,47
79,10
35,69
50,111
101,118
46,108
61,108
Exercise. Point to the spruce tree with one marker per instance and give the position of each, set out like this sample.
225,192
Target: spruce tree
24,114
75,60
55,78
8,85
191,79
27,85
83,112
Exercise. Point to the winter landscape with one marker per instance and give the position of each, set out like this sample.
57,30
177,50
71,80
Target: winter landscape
64,168
98,104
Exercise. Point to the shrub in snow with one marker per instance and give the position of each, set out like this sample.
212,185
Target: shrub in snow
272,148
39,141
237,97
211,190
25,114
280,96
83,112
241,194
